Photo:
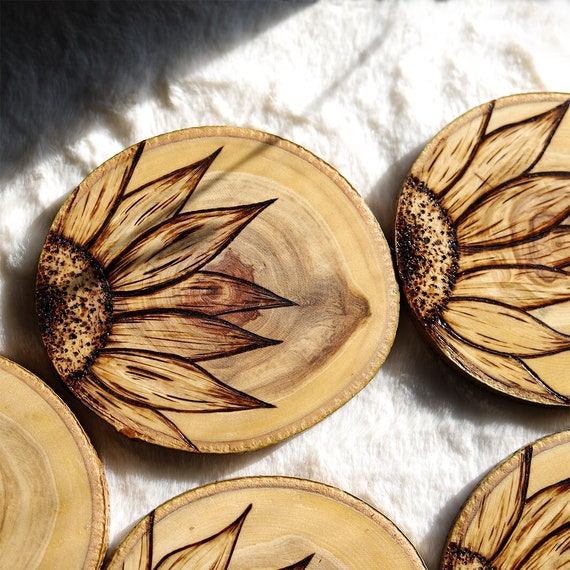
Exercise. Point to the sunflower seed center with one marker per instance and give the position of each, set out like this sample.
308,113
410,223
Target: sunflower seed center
461,558
427,250
74,306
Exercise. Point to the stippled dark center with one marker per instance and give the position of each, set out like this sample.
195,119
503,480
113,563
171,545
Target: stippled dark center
461,558
74,306
427,250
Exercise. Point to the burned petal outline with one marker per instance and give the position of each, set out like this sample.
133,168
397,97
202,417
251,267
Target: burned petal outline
207,292
144,207
523,287
504,370
504,504
542,516
213,552
463,144
183,244
98,204
555,546
550,249
141,555
165,383
107,405
301,565
484,223
493,166
205,337
472,318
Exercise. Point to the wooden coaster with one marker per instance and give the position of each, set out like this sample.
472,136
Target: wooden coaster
519,516
216,289
265,523
483,245
53,493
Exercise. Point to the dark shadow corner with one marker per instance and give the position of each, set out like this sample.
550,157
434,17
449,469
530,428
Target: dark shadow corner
63,61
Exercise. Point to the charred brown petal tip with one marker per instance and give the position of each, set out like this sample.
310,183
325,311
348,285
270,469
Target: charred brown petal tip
301,565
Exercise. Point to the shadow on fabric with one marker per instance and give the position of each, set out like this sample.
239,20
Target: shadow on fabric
63,61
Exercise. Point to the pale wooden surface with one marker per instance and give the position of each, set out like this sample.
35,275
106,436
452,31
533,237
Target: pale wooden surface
365,88
216,289
53,493
266,522
519,515
483,245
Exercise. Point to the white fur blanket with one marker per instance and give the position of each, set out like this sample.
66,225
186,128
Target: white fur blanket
364,85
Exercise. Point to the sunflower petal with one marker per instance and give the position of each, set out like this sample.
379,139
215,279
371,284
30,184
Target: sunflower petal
512,373
178,247
503,154
554,369
158,381
453,154
545,513
301,565
500,510
140,554
522,287
549,250
90,208
212,553
555,316
554,550
206,292
136,422
146,206
503,329
188,335
521,209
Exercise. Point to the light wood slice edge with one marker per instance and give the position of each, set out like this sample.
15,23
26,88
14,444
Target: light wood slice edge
73,491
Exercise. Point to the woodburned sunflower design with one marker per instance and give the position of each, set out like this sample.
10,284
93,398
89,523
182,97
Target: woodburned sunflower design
265,523
519,517
483,245
125,311
213,552
215,289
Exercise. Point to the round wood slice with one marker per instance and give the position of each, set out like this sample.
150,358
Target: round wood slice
519,516
216,289
53,493
483,245
265,523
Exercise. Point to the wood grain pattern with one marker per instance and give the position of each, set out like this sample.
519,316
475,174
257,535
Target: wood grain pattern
519,516
265,523
483,245
216,289
53,493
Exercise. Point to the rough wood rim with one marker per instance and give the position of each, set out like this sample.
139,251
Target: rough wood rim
265,522
483,242
216,289
53,492
519,516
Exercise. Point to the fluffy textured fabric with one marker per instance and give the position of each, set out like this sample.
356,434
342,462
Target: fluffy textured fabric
362,84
